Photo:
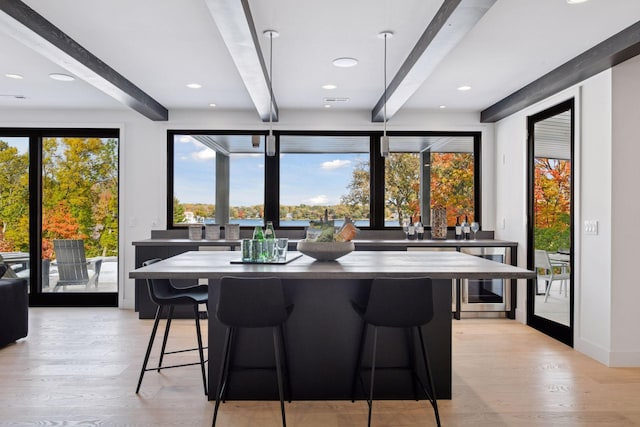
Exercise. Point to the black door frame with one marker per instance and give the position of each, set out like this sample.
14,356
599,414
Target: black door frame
37,298
556,330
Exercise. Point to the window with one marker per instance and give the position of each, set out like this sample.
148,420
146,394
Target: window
324,172
225,176
422,172
217,178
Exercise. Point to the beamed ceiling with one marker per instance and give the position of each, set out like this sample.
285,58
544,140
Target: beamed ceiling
142,54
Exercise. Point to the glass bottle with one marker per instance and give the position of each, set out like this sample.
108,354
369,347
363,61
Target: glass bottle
412,230
257,233
420,229
466,228
458,229
269,232
257,253
269,246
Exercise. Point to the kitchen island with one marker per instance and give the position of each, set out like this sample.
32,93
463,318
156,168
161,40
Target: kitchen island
323,330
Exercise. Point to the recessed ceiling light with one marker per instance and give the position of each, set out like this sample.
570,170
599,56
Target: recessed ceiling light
576,1
212,105
345,62
329,87
327,106
194,85
14,76
443,106
61,77
463,88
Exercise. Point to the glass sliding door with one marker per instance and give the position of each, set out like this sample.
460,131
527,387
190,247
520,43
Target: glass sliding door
14,205
59,213
79,214
550,212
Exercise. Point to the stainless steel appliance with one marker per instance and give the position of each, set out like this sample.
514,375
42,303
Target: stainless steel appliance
486,295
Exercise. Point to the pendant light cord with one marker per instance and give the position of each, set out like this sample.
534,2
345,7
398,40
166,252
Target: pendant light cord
271,83
385,86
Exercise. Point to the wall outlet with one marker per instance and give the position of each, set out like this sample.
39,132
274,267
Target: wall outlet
591,227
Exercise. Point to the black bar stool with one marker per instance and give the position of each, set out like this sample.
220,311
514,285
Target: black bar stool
397,303
163,293
255,302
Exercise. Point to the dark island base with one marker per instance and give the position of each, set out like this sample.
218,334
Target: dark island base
322,337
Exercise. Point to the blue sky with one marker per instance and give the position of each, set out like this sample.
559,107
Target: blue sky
21,143
317,179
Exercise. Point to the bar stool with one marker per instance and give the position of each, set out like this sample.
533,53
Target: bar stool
255,302
163,293
397,303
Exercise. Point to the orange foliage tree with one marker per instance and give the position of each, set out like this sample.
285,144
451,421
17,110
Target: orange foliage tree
58,223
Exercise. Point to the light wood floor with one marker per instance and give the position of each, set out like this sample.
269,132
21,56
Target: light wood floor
79,367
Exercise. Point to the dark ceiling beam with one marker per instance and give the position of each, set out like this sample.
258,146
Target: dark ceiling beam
235,23
451,23
611,52
28,27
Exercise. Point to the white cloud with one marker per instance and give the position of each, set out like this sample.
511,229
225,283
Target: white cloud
335,164
320,199
206,154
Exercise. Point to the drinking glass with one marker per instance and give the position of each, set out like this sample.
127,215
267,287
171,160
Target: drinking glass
281,248
475,227
405,228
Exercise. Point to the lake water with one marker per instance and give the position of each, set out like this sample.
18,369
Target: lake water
300,223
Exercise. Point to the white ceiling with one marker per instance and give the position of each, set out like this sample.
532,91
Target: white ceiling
161,45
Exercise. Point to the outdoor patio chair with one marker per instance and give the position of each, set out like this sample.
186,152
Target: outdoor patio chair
546,272
73,266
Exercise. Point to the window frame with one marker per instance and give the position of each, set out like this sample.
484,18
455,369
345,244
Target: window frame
376,170
37,298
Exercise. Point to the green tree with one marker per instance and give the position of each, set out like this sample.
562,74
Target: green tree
452,186
82,173
14,199
402,184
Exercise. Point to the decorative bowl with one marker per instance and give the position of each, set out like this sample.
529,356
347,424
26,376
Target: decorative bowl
325,251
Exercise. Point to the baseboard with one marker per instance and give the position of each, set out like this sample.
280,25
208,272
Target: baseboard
592,350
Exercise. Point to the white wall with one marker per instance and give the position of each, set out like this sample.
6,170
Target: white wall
143,155
592,192
625,316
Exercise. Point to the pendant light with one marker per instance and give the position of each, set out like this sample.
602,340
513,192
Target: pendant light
384,140
271,140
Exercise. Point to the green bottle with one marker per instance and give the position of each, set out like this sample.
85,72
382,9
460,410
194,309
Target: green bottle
257,233
269,232
257,247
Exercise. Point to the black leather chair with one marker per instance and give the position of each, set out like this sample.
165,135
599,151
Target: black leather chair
397,303
165,294
14,308
256,302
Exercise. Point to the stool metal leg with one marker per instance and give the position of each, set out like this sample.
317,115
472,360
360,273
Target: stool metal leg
356,371
285,360
276,349
198,333
222,378
148,353
432,395
373,369
411,345
166,336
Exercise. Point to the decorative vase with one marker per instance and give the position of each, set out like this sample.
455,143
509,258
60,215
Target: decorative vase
439,223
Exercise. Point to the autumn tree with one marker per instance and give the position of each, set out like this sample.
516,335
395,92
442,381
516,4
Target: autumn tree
552,203
14,199
451,185
452,176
